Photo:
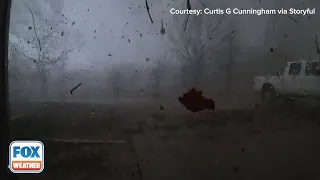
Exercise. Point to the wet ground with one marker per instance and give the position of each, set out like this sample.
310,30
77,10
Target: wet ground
153,142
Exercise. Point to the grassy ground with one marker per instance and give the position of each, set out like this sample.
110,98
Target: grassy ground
277,142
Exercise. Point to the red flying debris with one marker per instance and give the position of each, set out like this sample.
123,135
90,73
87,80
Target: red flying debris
195,102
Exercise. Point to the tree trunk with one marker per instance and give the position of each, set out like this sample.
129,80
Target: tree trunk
198,74
229,69
43,81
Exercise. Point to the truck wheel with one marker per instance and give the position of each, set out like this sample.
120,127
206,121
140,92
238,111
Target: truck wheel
268,93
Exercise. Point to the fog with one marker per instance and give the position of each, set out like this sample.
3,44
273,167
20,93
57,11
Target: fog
115,50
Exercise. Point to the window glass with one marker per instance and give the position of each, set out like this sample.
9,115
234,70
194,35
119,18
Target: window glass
295,68
312,69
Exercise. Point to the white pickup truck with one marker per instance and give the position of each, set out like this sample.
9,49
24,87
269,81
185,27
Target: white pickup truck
300,79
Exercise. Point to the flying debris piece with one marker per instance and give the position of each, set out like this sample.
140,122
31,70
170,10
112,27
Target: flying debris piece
76,87
294,20
161,107
148,10
162,31
195,102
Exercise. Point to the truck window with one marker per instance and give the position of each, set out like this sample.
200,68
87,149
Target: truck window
312,69
295,68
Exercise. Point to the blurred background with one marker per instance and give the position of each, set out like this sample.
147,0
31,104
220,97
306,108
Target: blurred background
114,50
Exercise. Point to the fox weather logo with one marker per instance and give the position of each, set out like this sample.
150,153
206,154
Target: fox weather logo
26,156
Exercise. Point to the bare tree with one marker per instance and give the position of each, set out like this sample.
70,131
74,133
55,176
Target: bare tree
192,44
157,71
53,41
230,42
14,56
115,80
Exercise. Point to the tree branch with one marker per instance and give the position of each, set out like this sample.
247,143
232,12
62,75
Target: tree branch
182,54
189,8
63,54
46,37
202,4
182,48
34,28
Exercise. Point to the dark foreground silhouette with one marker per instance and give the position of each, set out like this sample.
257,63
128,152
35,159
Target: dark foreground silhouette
277,142
195,102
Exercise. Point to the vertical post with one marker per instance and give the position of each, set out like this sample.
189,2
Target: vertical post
5,6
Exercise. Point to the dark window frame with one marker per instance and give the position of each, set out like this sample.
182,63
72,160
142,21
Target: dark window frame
5,7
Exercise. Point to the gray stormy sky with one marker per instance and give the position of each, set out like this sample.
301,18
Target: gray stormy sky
109,19
116,21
